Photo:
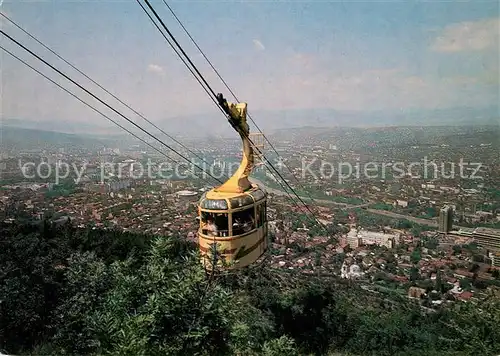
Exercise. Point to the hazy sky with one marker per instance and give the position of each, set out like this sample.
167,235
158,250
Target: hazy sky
275,55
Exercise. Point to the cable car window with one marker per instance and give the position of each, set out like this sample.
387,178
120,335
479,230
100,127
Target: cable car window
219,204
215,224
243,221
241,201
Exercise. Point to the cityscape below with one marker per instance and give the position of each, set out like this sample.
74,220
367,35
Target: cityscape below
428,220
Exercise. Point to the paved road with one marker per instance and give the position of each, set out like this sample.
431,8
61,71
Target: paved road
402,216
350,206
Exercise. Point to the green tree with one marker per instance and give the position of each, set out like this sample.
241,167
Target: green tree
432,212
439,285
415,256
281,346
431,243
66,291
466,284
414,275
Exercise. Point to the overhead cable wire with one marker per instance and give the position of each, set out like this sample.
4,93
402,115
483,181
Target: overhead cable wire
221,79
214,95
179,46
201,81
94,108
87,104
203,84
230,90
210,89
101,87
103,102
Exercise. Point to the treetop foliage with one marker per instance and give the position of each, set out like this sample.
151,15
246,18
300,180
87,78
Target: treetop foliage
72,291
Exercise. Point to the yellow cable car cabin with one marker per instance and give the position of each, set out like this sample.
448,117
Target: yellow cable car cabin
233,219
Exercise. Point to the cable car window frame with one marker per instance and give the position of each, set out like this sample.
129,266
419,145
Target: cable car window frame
222,229
260,214
242,230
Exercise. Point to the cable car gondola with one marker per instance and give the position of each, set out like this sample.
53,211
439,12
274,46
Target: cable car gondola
233,219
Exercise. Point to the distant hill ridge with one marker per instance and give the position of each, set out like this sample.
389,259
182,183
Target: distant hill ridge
212,123
31,138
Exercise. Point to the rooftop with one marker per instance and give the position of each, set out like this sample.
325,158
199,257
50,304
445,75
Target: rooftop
187,193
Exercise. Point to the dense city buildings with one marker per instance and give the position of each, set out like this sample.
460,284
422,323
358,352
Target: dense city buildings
398,231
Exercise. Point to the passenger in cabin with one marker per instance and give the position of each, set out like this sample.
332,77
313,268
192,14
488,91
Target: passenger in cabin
238,226
211,227
249,224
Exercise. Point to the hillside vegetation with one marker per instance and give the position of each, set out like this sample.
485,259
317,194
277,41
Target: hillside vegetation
67,291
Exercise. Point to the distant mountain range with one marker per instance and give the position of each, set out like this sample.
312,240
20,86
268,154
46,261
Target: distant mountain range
25,139
63,126
213,124
271,121
330,117
17,138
